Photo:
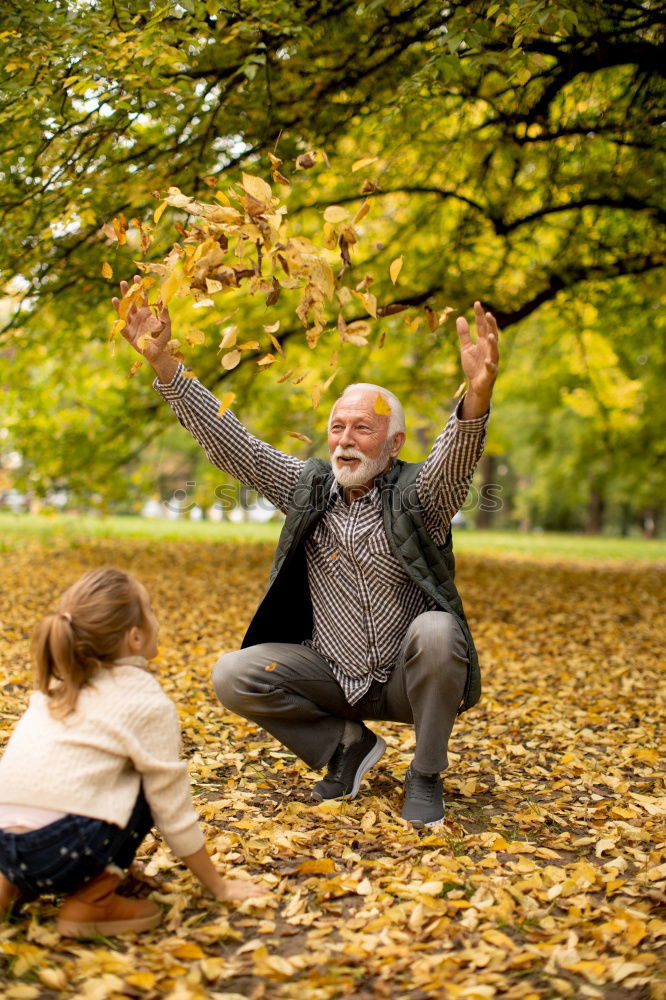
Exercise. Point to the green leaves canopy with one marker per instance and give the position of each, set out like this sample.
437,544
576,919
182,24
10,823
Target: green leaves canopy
519,154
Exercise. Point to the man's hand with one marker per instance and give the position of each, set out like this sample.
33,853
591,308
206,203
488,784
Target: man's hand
149,334
479,361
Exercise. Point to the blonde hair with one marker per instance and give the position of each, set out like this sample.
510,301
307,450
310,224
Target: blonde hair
84,634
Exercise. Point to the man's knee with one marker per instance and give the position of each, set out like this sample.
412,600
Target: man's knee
439,642
438,632
232,681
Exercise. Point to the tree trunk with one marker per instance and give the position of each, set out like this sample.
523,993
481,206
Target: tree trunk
595,517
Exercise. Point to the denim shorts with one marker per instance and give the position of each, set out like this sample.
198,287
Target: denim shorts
63,855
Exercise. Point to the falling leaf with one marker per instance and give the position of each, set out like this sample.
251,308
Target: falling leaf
395,268
362,212
381,406
300,437
107,270
366,162
195,337
336,214
316,394
249,345
267,359
306,160
257,188
231,359
170,286
117,328
225,403
229,335
271,666
134,368
159,211
272,328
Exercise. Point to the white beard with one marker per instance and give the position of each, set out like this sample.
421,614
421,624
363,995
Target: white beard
365,472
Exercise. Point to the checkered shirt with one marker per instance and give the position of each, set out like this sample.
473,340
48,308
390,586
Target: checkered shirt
362,599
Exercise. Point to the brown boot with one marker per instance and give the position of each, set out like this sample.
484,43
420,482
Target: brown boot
9,894
96,909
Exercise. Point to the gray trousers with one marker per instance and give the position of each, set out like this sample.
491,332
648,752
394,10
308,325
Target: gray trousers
290,691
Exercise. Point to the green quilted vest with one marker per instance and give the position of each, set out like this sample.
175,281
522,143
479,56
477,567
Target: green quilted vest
285,613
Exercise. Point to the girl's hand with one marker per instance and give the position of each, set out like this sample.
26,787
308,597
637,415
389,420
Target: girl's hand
236,890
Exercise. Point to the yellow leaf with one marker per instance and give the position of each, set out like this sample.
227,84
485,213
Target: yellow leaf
365,162
188,950
55,979
300,437
324,866
117,327
249,345
395,268
267,359
276,344
226,402
135,367
230,360
157,214
381,406
229,335
107,270
221,197
362,212
257,188
195,337
272,328
170,286
144,980
271,667
336,214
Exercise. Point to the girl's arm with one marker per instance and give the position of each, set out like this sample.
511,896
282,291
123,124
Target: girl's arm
230,890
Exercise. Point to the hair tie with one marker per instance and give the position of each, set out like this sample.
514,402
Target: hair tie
66,615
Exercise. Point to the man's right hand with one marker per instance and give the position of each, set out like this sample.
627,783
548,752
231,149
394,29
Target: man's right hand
149,334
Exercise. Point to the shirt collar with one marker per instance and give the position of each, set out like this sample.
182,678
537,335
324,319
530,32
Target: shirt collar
131,661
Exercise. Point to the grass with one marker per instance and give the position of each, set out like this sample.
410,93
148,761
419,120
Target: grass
20,529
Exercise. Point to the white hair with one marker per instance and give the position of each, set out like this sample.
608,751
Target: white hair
397,415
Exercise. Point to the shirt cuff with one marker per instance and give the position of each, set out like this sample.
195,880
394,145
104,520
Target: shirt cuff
470,426
177,387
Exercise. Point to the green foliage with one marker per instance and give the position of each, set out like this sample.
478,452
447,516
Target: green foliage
518,151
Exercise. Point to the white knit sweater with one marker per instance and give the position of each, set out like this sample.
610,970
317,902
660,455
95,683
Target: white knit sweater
124,732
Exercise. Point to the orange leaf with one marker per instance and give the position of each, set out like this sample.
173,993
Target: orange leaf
323,866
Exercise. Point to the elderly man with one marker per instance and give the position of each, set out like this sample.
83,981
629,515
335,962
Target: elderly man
361,619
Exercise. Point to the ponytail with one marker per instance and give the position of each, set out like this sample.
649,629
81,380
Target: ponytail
85,634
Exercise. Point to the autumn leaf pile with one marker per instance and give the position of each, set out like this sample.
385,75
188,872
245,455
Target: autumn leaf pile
547,879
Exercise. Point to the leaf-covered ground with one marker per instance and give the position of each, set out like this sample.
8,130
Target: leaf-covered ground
548,878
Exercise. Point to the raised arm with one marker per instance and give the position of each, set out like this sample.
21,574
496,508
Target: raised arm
227,443
444,481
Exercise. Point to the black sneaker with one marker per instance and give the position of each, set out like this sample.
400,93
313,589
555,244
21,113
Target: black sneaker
347,767
424,805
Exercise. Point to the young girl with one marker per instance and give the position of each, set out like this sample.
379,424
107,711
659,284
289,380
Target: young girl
94,763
